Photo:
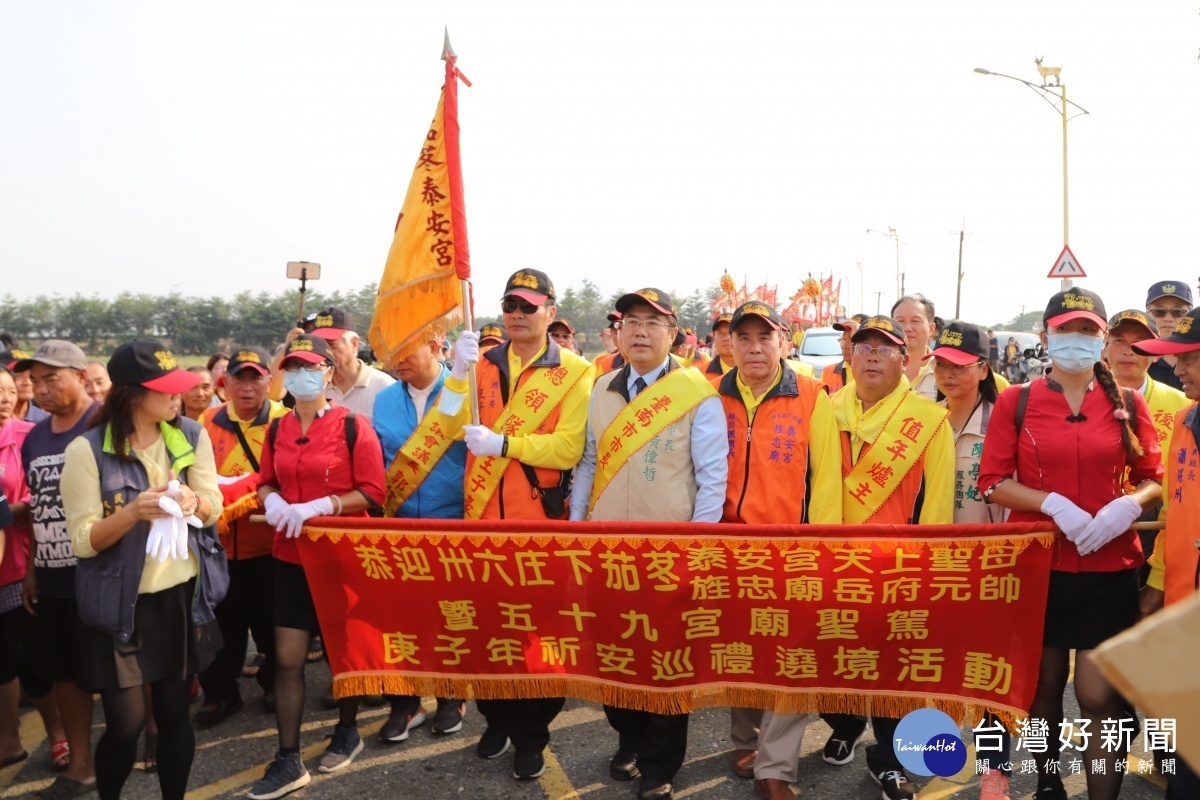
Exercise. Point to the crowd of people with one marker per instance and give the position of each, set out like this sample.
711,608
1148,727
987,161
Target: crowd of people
134,567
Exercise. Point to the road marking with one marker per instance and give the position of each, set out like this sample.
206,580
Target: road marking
554,780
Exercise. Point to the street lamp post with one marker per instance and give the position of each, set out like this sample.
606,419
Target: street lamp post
1043,90
895,237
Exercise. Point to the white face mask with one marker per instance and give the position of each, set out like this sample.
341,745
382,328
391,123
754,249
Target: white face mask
304,384
1074,352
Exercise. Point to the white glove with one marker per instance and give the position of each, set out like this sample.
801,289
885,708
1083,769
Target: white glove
482,441
1070,518
160,544
295,515
466,353
274,505
1109,523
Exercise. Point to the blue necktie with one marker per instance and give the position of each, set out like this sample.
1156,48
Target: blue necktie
639,386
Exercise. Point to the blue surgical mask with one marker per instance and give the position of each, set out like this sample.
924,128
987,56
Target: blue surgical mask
304,384
1074,352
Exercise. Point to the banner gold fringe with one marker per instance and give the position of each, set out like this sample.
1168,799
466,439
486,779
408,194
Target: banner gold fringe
247,504
782,701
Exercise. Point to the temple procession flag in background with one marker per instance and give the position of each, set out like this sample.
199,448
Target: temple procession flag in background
669,617
420,293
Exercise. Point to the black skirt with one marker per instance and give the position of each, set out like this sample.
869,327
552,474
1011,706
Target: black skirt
294,606
1084,609
165,644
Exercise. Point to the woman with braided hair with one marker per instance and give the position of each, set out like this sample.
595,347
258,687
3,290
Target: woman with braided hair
1057,449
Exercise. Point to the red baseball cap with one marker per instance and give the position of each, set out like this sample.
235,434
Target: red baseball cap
148,363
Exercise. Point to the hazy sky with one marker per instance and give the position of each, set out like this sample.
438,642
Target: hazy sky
159,145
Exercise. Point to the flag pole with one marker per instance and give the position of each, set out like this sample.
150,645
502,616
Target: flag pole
462,263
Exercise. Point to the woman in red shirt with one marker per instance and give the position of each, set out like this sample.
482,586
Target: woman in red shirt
1058,449
310,469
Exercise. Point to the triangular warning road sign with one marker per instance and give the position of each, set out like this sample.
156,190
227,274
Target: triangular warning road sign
1067,266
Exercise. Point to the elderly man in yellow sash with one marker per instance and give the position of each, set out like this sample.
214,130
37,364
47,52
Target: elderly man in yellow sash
898,468
533,398
781,433
673,469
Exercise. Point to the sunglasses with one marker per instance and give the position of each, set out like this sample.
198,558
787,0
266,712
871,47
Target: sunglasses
510,305
1159,313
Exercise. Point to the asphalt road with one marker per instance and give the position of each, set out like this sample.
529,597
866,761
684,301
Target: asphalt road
232,755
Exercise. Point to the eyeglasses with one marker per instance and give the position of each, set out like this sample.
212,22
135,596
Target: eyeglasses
1159,313
649,325
950,368
296,366
560,335
509,305
884,351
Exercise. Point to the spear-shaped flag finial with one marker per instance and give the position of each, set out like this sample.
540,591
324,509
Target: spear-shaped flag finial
447,50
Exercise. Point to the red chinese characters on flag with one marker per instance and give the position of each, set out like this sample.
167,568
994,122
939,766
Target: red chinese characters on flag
661,617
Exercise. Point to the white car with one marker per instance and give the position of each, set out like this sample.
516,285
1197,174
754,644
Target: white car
820,348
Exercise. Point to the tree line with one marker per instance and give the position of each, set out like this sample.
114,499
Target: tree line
202,325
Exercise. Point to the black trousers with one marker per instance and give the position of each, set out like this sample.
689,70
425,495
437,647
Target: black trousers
525,722
248,607
660,741
1184,784
885,734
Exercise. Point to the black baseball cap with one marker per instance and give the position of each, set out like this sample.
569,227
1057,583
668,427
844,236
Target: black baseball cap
1133,316
722,319
1184,339
331,323
613,318
758,309
881,324
254,358
9,358
657,298
842,324
310,347
148,363
531,285
52,353
1072,304
961,343
1179,289
493,333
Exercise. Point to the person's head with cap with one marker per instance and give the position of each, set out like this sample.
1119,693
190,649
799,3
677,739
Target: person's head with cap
336,326
916,313
148,385
848,326
58,371
685,343
879,358
608,336
490,336
562,331
529,306
1184,344
247,381
1073,335
960,365
758,333
1167,302
306,364
722,339
1125,329
649,324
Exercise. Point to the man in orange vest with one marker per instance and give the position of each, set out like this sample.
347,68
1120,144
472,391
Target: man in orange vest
1175,564
673,469
533,402
897,469
237,429
612,358
781,432
835,376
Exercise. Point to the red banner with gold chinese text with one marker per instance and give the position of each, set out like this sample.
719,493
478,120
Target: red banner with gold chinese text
670,617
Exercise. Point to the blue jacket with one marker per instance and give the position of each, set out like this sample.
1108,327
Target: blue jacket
440,496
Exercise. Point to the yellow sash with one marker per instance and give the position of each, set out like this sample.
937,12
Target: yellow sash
531,404
897,449
661,404
416,459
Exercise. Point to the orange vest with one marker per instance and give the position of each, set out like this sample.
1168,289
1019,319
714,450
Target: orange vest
516,498
244,539
769,454
1182,461
834,376
901,508
607,362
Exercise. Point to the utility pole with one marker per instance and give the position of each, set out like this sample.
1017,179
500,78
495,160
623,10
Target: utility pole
878,298
958,284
